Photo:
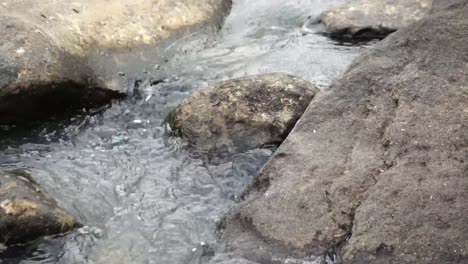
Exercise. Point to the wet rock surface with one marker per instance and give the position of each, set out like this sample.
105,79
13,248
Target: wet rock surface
38,79
24,54
243,113
27,212
47,44
375,170
365,19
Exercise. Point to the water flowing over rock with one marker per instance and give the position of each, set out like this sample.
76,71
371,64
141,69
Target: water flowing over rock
242,113
45,46
375,171
27,212
374,18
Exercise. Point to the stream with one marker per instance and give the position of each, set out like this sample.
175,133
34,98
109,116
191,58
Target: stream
145,197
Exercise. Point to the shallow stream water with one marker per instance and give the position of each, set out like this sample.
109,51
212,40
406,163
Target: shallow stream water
143,196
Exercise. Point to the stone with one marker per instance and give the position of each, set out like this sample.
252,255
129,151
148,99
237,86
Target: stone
243,113
375,171
364,19
81,26
47,45
27,212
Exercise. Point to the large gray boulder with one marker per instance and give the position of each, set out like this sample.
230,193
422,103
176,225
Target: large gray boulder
46,45
38,78
374,18
27,212
376,169
242,113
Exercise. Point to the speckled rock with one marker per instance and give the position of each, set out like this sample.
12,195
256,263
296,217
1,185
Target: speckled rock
374,18
242,113
376,170
27,212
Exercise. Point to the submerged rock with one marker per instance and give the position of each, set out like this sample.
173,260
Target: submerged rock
242,113
46,45
374,18
376,169
27,212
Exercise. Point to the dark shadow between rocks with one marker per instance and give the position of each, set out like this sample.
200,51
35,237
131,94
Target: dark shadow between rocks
346,37
361,37
37,249
31,103
15,254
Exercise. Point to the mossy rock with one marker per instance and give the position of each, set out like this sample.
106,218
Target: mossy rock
242,113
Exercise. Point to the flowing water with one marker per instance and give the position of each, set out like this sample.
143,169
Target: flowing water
143,196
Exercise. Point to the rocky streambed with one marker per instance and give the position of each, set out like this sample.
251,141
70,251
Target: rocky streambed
185,167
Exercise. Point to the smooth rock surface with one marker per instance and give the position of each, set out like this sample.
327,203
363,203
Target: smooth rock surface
242,113
27,212
376,169
374,18
47,43
82,25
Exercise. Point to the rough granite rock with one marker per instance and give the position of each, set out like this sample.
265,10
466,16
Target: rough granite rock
374,18
27,212
46,44
376,169
242,113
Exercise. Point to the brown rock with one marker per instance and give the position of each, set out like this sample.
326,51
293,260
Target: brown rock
242,113
27,212
376,169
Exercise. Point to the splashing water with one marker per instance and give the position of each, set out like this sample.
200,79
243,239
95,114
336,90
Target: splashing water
144,197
